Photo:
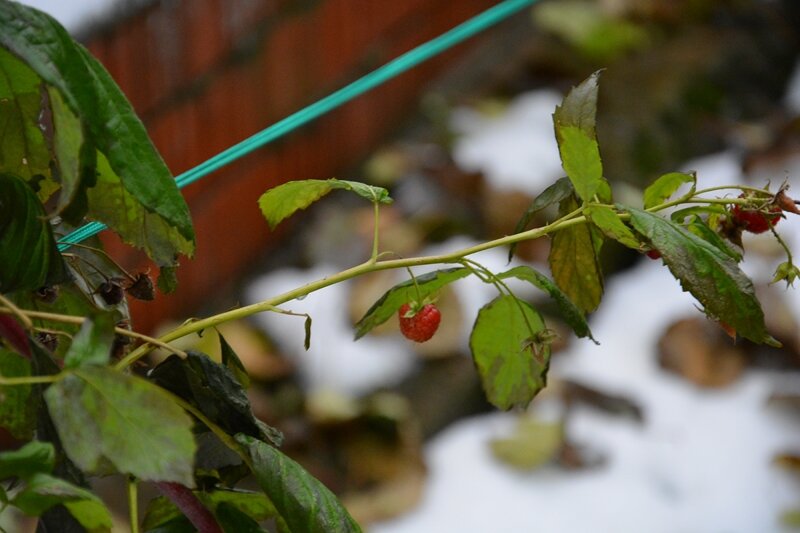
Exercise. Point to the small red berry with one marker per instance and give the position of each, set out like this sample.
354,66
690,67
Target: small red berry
421,325
653,254
753,220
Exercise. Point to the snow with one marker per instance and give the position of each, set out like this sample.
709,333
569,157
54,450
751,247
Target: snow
74,14
700,461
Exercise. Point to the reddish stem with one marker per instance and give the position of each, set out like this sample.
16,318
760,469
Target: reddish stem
185,500
11,330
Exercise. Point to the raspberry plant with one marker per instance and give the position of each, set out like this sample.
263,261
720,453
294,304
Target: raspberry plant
76,387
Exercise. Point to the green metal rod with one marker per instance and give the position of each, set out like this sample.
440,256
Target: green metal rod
394,68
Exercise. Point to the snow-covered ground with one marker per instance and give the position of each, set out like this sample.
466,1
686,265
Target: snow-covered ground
702,459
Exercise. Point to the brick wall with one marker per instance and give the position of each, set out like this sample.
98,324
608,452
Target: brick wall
205,74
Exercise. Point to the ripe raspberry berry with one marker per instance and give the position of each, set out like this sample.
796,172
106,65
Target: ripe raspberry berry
753,220
421,324
653,254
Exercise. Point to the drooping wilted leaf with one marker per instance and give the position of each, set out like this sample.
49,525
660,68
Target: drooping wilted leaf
709,274
570,312
607,221
304,503
511,351
33,458
92,344
284,200
388,304
574,122
665,186
214,390
553,194
574,262
43,491
103,416
17,403
28,254
137,182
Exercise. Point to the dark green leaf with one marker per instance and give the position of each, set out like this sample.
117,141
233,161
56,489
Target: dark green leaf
161,511
574,122
607,220
681,214
569,311
284,200
44,491
148,210
17,403
304,503
660,190
28,254
167,279
214,390
92,344
511,351
697,226
233,520
33,458
233,363
553,194
104,416
708,273
574,262
388,304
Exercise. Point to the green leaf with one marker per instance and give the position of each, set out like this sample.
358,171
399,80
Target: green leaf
214,390
510,351
256,505
233,520
574,122
17,403
697,226
388,304
34,458
682,214
92,344
28,254
569,311
302,501
284,200
660,190
708,273
607,220
167,279
44,491
103,416
233,363
561,189
135,175
574,262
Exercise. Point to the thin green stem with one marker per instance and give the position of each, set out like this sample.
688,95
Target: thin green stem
133,503
571,219
376,233
17,312
29,380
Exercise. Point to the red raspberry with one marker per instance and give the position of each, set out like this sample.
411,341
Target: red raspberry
755,221
653,254
419,325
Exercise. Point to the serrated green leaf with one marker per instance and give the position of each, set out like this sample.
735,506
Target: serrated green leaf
302,501
574,262
580,157
708,273
44,491
511,362
660,190
29,258
108,126
553,194
17,403
388,304
103,416
34,457
214,390
92,344
607,220
569,311
579,107
284,200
